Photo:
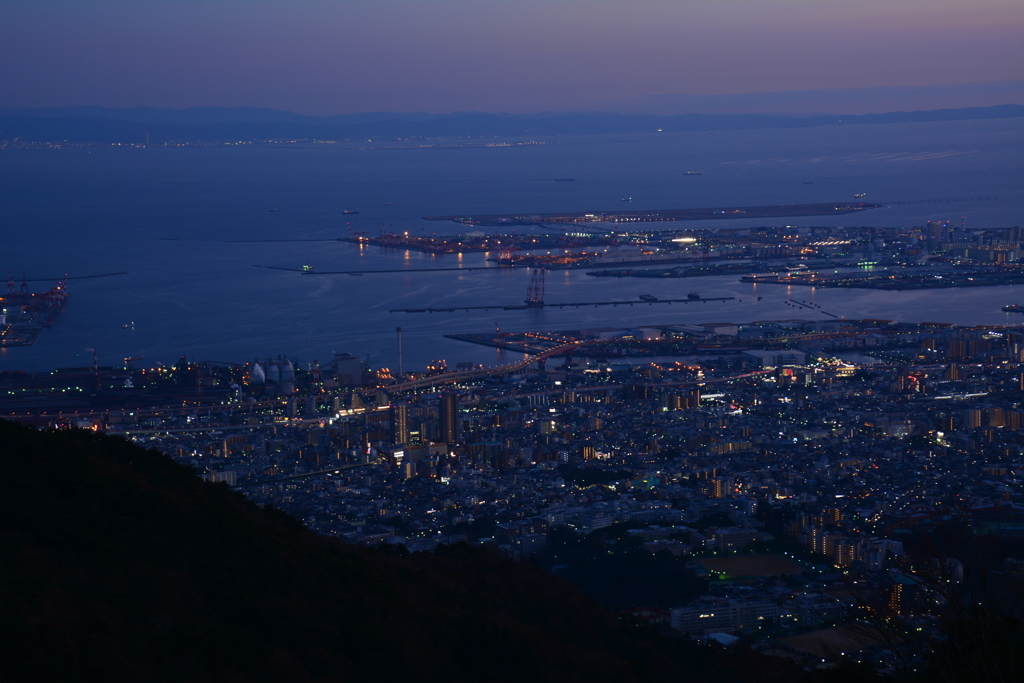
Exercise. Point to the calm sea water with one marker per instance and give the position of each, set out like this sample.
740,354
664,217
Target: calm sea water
167,215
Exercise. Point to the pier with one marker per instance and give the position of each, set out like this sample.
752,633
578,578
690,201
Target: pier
895,280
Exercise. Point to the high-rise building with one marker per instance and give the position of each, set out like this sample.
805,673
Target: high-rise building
400,422
719,487
448,418
896,599
831,516
994,417
845,553
693,399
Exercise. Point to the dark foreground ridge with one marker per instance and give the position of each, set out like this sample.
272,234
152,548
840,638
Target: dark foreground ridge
120,565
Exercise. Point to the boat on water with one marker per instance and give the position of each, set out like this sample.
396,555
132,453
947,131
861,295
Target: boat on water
693,296
695,173
348,212
626,199
1014,308
860,195
648,297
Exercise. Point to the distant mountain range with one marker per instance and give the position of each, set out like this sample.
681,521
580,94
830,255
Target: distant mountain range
217,124
846,101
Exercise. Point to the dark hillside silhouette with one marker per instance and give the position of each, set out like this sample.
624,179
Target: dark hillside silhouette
119,564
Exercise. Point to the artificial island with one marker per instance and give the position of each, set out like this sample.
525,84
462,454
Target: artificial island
660,215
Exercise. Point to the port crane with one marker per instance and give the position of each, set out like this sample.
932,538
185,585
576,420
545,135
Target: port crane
535,290
510,249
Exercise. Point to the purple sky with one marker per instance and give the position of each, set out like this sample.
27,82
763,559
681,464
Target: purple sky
344,56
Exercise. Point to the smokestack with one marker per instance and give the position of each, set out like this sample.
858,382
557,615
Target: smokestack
401,372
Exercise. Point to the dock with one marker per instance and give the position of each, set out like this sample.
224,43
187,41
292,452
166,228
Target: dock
24,314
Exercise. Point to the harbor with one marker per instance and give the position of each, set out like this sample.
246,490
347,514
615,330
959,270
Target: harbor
24,314
204,275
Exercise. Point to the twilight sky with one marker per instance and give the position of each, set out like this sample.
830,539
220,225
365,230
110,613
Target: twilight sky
345,56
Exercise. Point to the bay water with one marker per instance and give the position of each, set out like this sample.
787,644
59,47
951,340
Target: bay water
185,223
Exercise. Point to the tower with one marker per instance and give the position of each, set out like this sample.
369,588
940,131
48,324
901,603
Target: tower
953,372
896,598
448,417
400,422
401,370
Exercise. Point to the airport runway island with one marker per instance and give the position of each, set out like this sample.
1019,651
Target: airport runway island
655,215
534,306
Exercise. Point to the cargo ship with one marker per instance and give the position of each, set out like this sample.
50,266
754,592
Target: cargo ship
1014,308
